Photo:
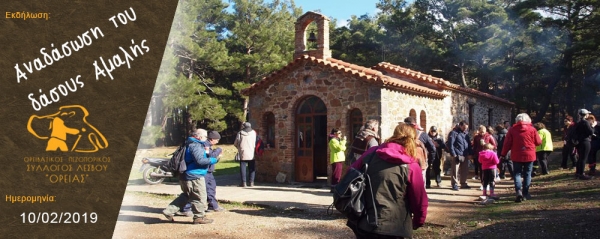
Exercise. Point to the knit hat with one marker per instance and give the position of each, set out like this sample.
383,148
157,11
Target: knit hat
214,135
247,127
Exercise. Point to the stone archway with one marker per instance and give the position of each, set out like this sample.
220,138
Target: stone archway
311,140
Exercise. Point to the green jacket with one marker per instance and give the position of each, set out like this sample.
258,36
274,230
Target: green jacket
546,141
336,150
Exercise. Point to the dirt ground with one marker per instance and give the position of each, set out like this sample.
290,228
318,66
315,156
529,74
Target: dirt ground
562,208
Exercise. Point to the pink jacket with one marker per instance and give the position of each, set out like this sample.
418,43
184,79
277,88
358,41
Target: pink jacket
488,159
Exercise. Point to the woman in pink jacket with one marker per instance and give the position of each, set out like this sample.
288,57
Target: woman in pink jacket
521,140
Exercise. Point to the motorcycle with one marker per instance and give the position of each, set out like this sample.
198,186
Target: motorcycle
154,170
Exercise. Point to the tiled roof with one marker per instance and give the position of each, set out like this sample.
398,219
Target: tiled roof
374,75
385,66
366,74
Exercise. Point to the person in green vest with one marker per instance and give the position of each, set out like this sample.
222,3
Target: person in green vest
543,150
337,157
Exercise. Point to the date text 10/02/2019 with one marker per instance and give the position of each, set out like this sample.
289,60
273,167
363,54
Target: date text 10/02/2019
58,217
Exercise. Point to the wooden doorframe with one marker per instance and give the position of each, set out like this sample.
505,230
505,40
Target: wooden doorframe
304,160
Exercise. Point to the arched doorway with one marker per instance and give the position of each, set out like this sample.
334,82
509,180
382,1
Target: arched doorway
311,140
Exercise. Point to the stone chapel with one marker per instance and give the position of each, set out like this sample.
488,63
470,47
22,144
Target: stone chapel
294,108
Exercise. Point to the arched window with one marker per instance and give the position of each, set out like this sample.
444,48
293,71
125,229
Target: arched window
423,118
355,122
269,129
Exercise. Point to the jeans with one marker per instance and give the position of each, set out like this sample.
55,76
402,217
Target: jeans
433,170
251,164
524,170
194,191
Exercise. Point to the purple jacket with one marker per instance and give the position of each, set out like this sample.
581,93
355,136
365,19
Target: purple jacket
416,197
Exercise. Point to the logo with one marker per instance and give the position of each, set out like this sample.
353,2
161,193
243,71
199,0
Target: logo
65,129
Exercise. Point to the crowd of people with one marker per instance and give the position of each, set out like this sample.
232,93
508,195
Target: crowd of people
403,167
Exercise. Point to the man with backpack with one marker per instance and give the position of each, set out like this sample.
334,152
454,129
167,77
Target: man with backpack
192,181
245,142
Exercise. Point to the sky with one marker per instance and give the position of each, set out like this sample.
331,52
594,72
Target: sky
339,9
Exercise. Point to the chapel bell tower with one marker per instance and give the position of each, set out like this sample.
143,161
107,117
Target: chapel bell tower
321,37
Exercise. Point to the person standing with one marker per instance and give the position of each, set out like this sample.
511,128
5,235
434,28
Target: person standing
505,163
479,141
568,150
521,140
365,139
489,161
245,142
595,146
337,146
400,199
211,183
433,169
459,147
192,182
583,135
543,150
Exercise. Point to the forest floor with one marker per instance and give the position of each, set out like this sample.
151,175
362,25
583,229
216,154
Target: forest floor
561,207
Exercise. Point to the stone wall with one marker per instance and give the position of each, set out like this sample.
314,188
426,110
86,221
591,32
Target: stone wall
396,107
339,91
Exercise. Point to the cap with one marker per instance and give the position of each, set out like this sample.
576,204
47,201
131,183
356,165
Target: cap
584,112
433,129
214,135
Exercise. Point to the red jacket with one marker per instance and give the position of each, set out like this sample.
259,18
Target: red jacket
521,140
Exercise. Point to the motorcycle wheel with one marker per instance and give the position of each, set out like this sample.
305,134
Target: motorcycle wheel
152,180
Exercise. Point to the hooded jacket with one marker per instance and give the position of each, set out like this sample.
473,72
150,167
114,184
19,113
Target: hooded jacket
521,140
336,150
397,182
488,159
196,159
245,143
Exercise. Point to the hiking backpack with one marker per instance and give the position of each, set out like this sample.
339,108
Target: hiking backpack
259,146
349,195
176,164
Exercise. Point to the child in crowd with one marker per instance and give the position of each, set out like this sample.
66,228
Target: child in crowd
488,160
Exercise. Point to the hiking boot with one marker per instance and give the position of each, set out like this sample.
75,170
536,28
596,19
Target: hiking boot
169,218
203,220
